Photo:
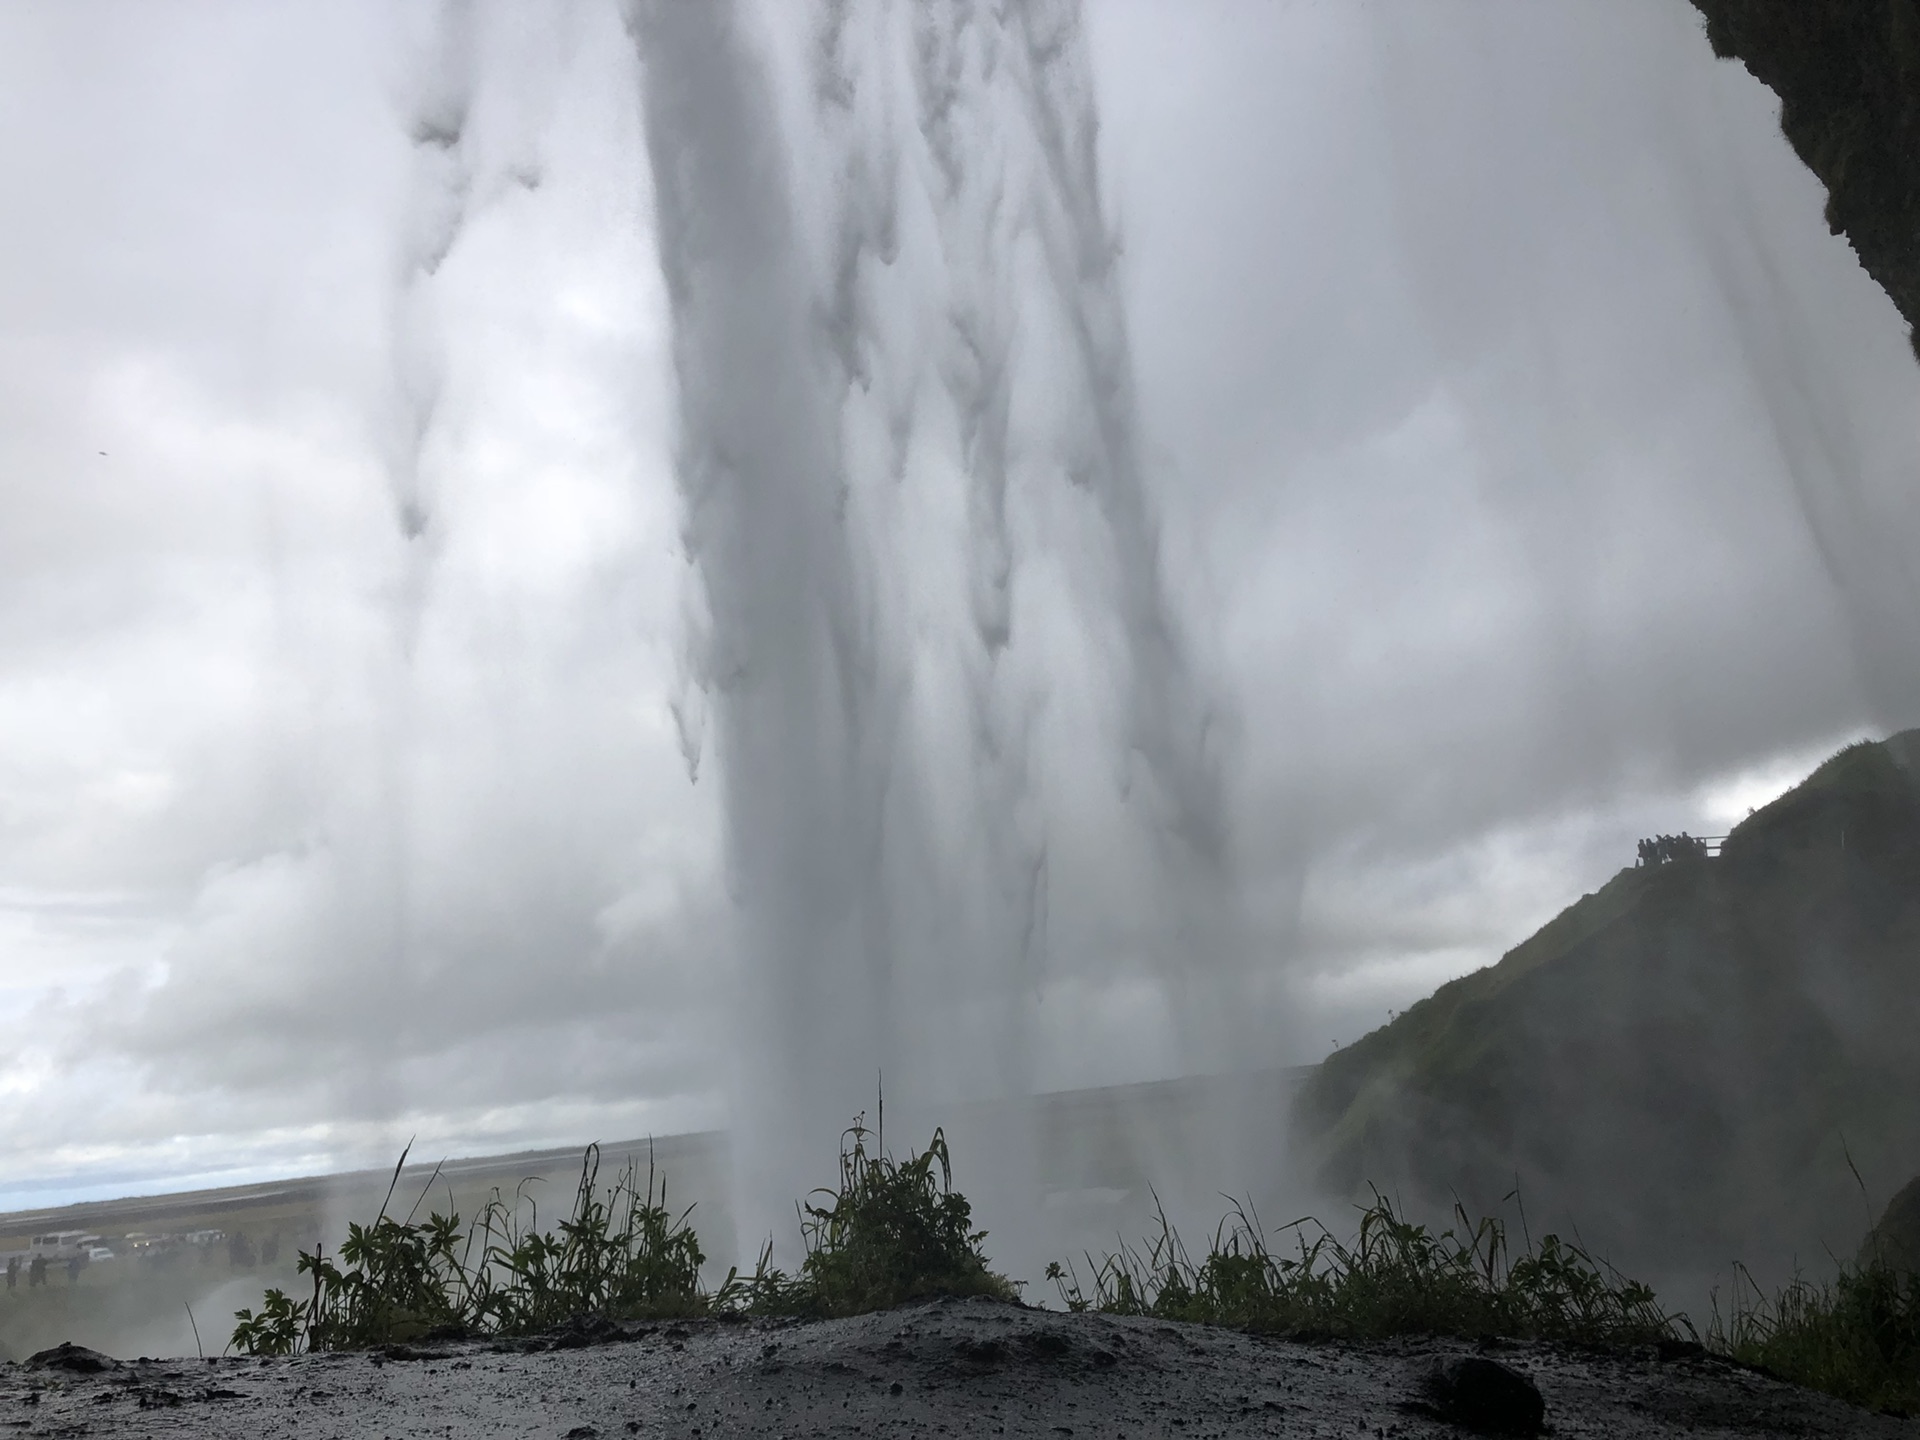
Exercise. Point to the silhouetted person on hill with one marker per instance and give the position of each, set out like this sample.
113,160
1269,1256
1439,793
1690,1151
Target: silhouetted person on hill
1665,849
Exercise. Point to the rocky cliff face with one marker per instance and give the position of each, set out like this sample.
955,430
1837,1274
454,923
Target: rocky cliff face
1895,1237
1848,76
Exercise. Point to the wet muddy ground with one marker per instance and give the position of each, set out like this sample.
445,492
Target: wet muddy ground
939,1368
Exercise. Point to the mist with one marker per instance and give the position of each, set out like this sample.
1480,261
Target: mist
617,570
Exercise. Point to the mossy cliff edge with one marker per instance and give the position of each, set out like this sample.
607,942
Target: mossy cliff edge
1848,76
1689,1062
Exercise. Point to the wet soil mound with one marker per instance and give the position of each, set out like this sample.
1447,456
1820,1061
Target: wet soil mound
956,1367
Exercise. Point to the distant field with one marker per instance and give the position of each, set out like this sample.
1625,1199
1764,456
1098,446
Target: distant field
1100,1155
303,1207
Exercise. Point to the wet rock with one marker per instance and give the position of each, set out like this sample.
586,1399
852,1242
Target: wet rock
1484,1395
1046,1344
1895,1240
583,1330
1848,76
980,1352
69,1356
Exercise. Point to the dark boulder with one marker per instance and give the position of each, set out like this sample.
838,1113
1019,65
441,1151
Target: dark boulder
69,1356
1479,1394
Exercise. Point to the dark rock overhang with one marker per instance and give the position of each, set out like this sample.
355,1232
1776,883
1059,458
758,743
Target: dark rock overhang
1848,76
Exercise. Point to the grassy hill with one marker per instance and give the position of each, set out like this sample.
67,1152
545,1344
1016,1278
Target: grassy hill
1682,1062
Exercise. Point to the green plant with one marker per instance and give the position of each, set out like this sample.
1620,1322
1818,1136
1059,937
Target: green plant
620,1253
279,1329
1395,1278
626,1255
400,1280
893,1231
1857,1337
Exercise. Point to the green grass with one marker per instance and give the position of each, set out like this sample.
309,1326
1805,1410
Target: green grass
894,1230
1857,1336
1394,1277
620,1252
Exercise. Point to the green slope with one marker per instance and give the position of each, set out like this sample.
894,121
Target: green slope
1682,1061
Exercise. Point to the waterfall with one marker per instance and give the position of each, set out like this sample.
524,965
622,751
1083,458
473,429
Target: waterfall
906,401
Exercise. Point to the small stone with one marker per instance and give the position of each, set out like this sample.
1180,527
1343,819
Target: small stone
69,1356
1484,1395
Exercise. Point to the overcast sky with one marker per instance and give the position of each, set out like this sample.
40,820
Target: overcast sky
1535,472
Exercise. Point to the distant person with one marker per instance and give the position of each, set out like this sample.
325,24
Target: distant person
75,1264
13,1271
37,1272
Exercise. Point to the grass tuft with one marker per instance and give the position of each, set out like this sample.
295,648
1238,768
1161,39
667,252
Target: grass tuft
1394,1278
895,1230
1857,1337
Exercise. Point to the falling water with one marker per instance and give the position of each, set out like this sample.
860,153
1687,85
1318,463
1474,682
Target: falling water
437,198
439,179
932,343
454,172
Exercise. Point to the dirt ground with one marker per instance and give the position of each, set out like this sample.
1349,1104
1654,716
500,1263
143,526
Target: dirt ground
969,1367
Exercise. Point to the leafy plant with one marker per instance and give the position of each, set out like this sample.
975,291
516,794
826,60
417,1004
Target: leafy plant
895,1230
621,1254
626,1255
400,1280
279,1328
892,1231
